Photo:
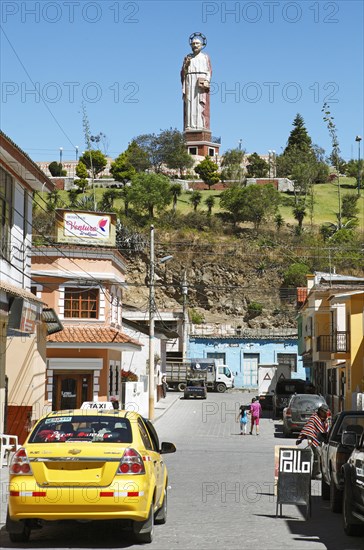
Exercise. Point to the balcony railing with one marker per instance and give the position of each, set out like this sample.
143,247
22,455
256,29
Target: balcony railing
338,342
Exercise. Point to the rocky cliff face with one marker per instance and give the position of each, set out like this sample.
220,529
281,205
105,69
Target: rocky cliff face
223,286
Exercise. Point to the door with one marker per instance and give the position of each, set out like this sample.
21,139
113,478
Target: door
250,369
71,390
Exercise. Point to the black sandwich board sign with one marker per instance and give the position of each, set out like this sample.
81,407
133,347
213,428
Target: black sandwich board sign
294,478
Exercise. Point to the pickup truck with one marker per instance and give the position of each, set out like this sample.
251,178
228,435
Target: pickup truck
353,494
334,455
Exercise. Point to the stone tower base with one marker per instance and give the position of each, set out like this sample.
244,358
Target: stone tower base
199,142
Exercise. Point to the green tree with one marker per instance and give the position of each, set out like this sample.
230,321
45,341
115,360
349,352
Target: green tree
73,196
108,198
295,275
137,157
149,192
56,169
279,221
82,174
176,191
195,199
81,170
352,169
260,203
95,162
151,147
350,207
232,165
53,200
257,167
232,200
210,203
121,169
173,150
208,171
125,194
299,213
298,138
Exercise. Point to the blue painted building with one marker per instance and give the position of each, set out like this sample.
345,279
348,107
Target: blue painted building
245,354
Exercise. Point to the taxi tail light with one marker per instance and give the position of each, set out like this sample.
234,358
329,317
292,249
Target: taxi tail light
131,463
288,411
20,464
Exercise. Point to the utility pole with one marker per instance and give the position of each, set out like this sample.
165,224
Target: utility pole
185,315
151,326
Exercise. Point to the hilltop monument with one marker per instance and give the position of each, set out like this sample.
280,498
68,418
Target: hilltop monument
196,78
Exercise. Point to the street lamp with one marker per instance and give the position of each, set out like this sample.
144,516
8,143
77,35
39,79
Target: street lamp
358,139
151,320
60,156
76,153
240,142
274,162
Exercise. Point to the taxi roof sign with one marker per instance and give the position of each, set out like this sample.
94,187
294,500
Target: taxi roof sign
98,405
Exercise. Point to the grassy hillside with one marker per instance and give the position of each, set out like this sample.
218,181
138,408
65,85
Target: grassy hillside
325,202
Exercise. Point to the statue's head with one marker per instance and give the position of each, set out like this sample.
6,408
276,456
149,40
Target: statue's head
197,42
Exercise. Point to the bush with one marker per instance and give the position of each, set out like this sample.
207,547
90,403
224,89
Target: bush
255,307
196,317
295,275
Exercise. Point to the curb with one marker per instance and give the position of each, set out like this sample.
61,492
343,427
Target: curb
177,398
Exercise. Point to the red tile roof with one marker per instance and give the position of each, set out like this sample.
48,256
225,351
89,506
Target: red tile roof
301,294
76,334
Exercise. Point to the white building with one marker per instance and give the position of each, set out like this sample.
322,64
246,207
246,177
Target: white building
22,332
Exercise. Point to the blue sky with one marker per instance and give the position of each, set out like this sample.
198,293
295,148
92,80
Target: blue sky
270,60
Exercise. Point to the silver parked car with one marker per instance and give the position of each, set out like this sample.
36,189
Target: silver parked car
300,407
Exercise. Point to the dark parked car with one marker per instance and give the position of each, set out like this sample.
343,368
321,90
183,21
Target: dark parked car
353,497
283,391
334,455
195,388
300,407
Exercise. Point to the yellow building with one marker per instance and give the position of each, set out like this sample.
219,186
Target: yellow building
331,328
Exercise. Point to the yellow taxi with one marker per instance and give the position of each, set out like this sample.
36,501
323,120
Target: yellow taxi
89,464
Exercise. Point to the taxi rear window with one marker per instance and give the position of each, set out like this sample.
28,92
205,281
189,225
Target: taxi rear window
94,429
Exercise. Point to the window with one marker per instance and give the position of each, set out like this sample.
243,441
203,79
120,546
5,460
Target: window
6,208
288,359
221,357
211,152
144,435
81,303
192,150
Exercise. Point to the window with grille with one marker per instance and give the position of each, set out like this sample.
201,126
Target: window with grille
81,303
288,359
6,209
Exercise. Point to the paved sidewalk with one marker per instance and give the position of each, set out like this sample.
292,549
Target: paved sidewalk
165,403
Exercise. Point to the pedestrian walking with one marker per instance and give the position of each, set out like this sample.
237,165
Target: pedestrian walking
243,419
315,431
255,412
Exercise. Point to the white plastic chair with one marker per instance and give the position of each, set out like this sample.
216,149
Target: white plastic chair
8,444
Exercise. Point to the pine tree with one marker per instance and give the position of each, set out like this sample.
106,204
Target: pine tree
298,140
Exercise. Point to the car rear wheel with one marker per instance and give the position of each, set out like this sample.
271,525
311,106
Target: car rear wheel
350,528
19,531
286,432
325,490
336,498
161,514
144,530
